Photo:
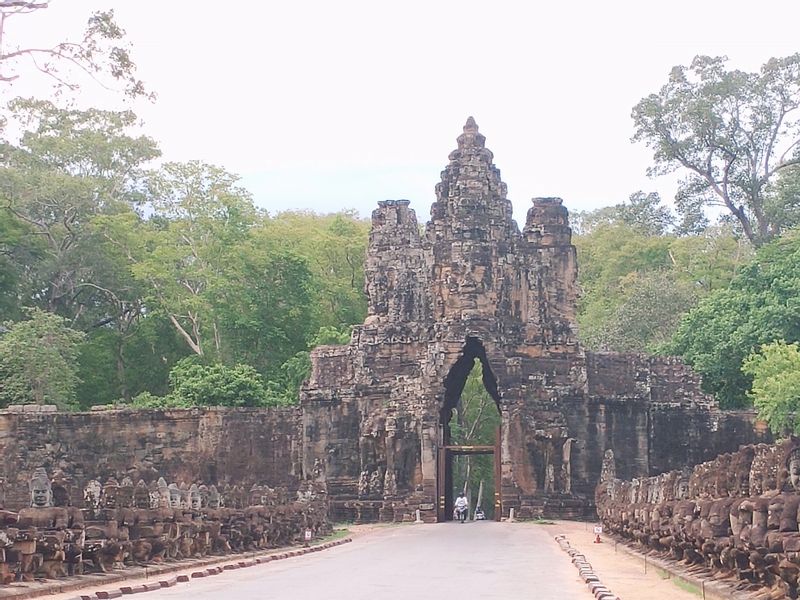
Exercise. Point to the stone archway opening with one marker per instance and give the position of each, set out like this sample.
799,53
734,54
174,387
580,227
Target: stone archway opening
469,435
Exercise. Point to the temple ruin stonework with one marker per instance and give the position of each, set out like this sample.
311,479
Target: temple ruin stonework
471,285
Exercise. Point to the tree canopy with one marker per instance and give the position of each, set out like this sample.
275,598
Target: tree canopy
761,306
775,369
156,263
733,134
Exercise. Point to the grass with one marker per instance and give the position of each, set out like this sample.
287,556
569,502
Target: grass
336,534
682,584
687,587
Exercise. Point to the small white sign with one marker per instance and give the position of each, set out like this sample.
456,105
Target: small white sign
308,535
598,530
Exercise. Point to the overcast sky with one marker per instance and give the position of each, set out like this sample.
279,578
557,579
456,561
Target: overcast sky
332,105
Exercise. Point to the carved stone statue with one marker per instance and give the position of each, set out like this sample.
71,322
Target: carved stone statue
793,467
566,466
214,500
363,484
141,495
376,482
609,469
549,478
390,484
92,494
163,493
194,497
174,495
110,490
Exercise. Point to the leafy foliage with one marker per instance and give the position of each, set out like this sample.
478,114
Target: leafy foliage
38,361
762,305
775,369
216,385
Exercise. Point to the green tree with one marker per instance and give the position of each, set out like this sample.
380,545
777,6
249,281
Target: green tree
762,305
38,361
775,369
731,132
636,285
647,315
181,253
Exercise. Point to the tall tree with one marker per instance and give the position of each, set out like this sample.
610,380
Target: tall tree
101,53
199,215
69,167
731,132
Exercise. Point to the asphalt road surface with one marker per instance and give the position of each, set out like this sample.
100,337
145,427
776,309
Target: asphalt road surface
450,561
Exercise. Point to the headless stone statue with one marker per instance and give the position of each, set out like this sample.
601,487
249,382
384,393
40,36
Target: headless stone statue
549,478
566,466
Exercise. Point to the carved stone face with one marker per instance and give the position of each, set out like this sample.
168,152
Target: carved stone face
41,491
794,470
213,498
194,497
683,490
110,493
41,497
174,496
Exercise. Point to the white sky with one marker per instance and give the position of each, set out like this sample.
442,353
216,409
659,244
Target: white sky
329,105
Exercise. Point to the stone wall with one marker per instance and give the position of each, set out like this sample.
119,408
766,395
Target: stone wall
215,446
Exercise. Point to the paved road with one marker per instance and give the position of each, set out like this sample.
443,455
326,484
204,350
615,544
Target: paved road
451,561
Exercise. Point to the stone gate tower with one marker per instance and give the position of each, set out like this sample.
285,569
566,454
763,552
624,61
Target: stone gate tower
472,286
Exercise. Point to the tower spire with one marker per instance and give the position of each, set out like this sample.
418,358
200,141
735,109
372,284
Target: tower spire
471,138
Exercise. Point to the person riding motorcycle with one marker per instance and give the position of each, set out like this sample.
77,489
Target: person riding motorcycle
461,508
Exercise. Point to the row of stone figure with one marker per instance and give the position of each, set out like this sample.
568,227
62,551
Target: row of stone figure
737,516
121,525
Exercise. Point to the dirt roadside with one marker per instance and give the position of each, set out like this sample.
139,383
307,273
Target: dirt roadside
622,573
